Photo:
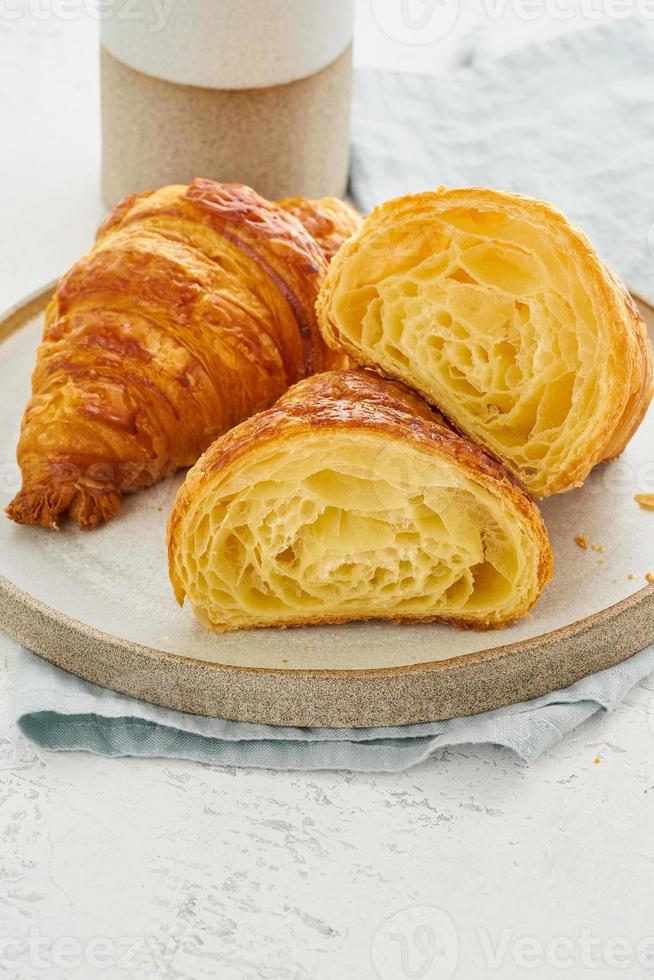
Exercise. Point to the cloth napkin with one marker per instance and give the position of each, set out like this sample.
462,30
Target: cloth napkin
60,711
571,121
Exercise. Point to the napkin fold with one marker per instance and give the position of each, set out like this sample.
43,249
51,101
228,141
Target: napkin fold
571,121
57,710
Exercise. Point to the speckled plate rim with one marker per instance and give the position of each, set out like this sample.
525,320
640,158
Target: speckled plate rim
386,696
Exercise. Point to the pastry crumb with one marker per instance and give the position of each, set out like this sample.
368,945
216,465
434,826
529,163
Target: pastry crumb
582,541
650,578
645,500
600,549
632,577
596,760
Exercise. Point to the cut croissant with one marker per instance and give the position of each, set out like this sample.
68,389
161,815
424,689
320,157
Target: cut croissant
194,309
499,312
351,499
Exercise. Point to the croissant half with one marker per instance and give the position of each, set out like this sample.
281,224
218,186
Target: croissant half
351,499
499,312
194,309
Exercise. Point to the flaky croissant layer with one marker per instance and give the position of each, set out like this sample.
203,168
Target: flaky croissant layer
500,313
194,309
351,499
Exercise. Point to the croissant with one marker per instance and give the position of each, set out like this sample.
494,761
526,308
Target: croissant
193,310
500,313
352,499
330,220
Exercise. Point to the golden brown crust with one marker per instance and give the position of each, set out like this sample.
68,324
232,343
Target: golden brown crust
357,402
624,377
330,220
639,383
194,309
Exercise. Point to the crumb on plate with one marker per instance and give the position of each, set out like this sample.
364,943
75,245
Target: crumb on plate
582,541
650,578
645,500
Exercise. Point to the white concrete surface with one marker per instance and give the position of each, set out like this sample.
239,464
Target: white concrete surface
471,866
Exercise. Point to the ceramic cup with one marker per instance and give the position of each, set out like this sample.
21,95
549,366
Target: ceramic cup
253,91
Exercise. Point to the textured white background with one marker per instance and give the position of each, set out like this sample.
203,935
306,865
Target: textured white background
140,869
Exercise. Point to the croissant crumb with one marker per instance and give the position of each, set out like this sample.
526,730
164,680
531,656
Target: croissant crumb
352,500
645,500
500,313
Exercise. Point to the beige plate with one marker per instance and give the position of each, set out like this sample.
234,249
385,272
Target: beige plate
100,605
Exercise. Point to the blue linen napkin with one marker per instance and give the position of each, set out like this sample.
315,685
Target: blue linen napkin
571,121
60,711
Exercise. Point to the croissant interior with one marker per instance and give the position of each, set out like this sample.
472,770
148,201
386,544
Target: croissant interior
500,313
351,499
194,309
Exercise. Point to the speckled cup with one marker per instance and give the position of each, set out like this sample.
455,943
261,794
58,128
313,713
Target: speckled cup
235,90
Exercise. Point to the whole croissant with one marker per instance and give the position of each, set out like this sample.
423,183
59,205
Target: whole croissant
193,310
330,220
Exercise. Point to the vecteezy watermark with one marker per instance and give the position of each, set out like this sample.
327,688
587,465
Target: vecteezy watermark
647,687
392,466
421,22
418,943
423,943
563,953
124,478
39,952
415,21
650,241
153,13
10,479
